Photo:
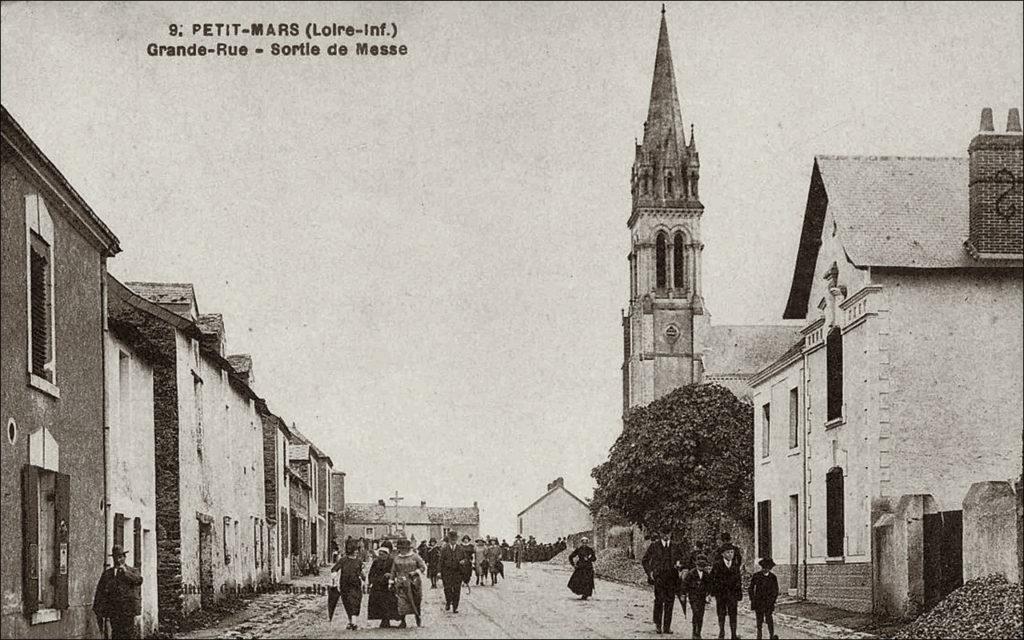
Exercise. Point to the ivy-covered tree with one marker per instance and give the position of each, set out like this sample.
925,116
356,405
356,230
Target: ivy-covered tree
685,460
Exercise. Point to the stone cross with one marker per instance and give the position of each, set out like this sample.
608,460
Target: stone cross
396,499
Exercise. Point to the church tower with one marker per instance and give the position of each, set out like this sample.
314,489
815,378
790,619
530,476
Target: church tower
662,329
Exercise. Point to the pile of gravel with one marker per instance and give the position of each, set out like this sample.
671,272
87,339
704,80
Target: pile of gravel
986,607
614,564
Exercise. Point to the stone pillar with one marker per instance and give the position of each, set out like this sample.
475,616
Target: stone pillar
990,531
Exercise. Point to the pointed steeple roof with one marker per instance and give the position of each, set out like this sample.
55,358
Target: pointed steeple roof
664,119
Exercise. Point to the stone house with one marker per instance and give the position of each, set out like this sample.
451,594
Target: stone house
53,254
554,515
300,523
131,446
276,489
374,521
315,467
210,505
906,387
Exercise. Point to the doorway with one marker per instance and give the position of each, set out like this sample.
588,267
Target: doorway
794,540
206,592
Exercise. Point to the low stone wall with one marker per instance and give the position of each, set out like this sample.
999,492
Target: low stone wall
846,585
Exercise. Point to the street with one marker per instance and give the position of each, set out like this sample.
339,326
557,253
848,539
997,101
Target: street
533,602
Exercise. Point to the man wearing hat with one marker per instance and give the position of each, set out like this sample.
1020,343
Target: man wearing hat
662,562
118,597
697,587
452,560
764,591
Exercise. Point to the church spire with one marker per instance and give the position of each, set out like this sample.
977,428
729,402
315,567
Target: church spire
664,120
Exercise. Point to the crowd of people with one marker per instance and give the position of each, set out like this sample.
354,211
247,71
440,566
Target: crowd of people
396,577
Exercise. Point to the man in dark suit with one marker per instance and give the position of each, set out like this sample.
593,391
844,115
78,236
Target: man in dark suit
727,587
662,563
118,597
451,563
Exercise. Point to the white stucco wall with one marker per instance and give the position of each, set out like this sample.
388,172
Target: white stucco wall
224,481
131,488
957,379
556,515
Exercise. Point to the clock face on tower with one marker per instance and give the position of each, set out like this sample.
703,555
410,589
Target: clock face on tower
672,333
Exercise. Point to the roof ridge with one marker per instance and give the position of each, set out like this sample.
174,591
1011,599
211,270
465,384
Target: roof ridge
829,156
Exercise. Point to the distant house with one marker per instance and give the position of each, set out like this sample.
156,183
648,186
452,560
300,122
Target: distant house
906,386
276,491
315,467
422,523
554,515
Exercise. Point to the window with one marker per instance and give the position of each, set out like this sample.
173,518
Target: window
834,516
794,417
227,536
678,261
668,186
660,260
834,373
137,543
45,535
766,429
39,274
124,391
197,398
764,529
632,276
369,532
255,542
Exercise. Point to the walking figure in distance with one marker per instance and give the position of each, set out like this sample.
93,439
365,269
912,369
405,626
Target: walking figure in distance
582,560
764,591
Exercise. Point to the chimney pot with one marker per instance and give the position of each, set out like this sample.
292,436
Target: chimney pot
423,503
474,504
986,120
1013,121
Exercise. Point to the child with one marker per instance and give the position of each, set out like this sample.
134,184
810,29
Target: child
347,581
697,586
764,590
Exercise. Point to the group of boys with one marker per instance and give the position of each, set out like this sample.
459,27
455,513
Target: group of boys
705,577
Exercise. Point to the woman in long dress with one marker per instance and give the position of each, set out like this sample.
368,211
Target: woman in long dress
480,557
347,584
382,605
582,560
468,552
407,570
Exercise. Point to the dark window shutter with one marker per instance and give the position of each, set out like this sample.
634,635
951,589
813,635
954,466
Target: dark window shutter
61,539
40,319
835,521
30,538
834,373
118,530
137,544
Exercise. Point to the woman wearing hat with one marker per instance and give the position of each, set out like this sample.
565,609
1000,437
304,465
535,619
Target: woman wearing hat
582,560
382,604
347,584
407,568
764,591
469,553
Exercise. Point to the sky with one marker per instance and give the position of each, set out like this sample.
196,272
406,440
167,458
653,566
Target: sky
426,254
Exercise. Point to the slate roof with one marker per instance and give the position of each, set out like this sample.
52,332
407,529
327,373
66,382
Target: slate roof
899,212
745,349
241,362
173,293
890,211
211,323
357,513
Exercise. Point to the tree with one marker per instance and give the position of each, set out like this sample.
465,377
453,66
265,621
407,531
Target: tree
686,460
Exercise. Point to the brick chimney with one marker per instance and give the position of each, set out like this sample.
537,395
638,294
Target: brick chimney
557,482
995,186
423,504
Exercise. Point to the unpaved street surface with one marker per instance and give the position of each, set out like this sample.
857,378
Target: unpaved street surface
533,602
